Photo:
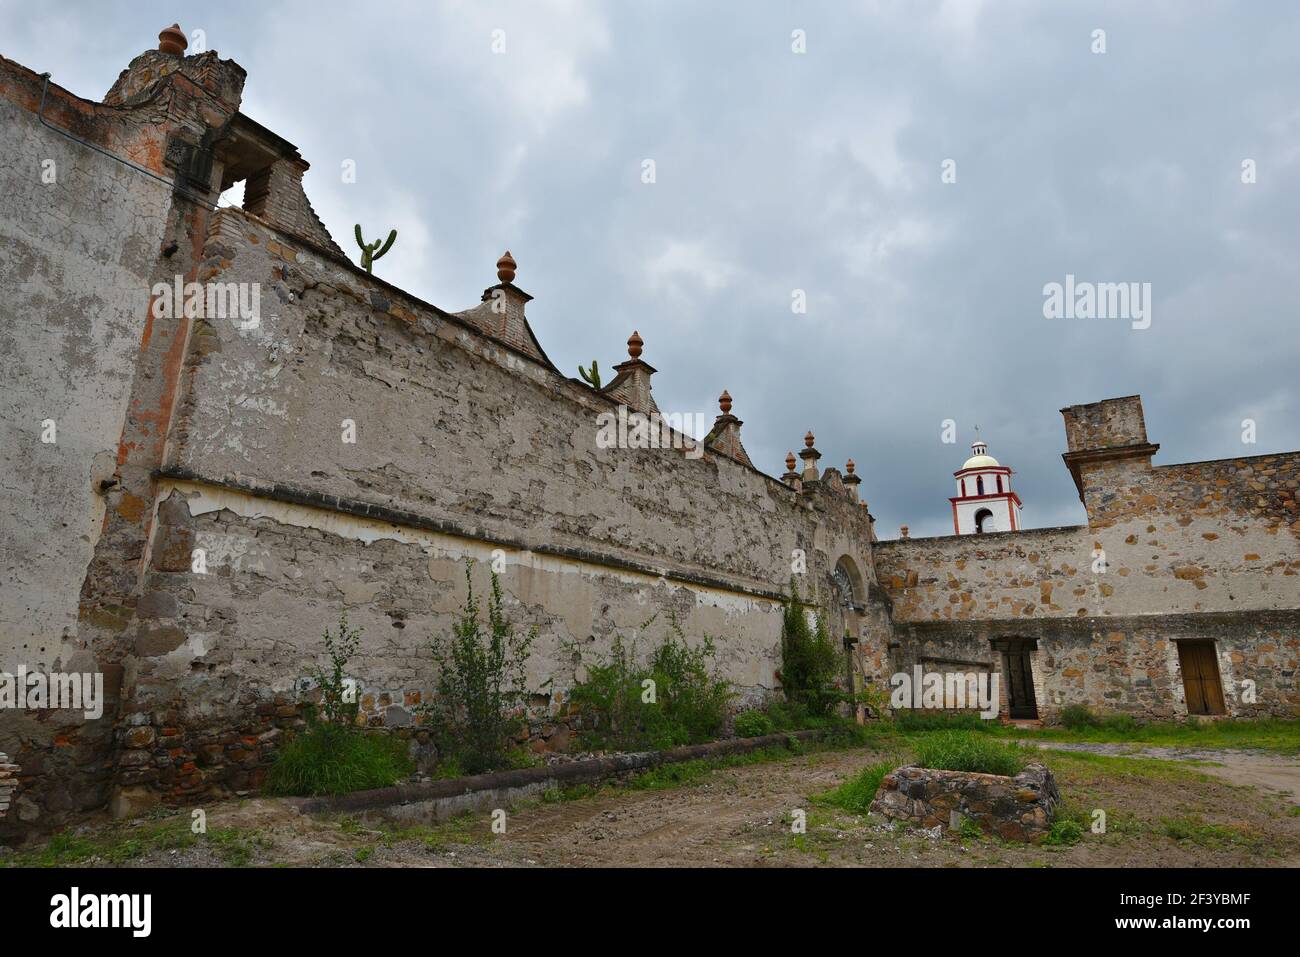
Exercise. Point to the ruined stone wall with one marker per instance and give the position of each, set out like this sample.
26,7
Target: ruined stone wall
186,433
449,425
1124,663
76,254
1206,550
79,236
465,449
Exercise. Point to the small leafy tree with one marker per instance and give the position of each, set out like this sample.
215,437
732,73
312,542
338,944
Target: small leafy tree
809,661
480,683
338,701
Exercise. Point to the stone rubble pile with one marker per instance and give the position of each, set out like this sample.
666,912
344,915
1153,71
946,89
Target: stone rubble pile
1015,809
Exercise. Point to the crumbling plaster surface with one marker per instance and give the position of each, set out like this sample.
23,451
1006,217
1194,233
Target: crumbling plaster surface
278,574
449,432
76,255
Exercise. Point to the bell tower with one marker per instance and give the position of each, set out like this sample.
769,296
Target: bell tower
984,501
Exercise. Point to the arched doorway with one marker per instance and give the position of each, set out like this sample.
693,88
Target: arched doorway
984,522
849,593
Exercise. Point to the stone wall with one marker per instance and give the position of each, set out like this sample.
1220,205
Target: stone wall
182,435
469,444
1202,551
466,448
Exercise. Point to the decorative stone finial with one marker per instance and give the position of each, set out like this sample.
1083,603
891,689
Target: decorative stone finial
849,466
724,402
634,344
506,266
789,462
173,41
808,439
903,530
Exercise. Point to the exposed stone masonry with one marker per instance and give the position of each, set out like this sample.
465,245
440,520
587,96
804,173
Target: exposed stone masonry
1017,808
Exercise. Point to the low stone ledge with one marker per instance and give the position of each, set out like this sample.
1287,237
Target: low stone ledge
442,799
1016,809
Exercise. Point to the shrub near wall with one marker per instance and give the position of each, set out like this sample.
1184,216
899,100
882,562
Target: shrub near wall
675,697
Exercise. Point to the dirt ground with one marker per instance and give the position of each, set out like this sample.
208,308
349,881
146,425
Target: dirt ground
1160,811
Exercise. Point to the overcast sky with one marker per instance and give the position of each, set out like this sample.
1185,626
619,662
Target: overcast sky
819,171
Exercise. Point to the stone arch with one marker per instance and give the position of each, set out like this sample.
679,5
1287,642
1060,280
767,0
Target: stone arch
850,594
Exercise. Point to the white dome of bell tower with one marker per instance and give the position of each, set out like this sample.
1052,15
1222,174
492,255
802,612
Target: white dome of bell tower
984,501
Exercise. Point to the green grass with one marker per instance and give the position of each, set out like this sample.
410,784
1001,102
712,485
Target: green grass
1194,830
1081,724
911,722
1065,832
968,751
459,831
329,759
1271,734
856,793
123,843
692,772
753,724
1120,766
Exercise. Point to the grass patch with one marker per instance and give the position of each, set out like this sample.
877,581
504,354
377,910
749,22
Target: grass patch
1195,830
332,759
1269,734
913,721
460,831
1121,767
122,844
1065,832
968,751
856,793
691,772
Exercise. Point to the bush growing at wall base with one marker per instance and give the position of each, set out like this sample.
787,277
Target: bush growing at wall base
333,759
673,698
810,662
753,724
480,684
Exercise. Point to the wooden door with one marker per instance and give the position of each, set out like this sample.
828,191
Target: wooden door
1020,683
1201,681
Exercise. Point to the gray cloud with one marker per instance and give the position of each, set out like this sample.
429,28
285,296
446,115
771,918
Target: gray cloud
820,172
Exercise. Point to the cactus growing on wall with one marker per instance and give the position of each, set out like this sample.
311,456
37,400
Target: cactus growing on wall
592,378
372,251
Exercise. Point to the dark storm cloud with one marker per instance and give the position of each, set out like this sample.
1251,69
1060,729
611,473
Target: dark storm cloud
777,171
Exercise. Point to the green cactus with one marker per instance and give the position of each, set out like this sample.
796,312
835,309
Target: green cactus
368,254
592,378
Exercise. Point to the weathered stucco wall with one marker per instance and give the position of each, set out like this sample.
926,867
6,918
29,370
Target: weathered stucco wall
450,426
465,448
76,255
